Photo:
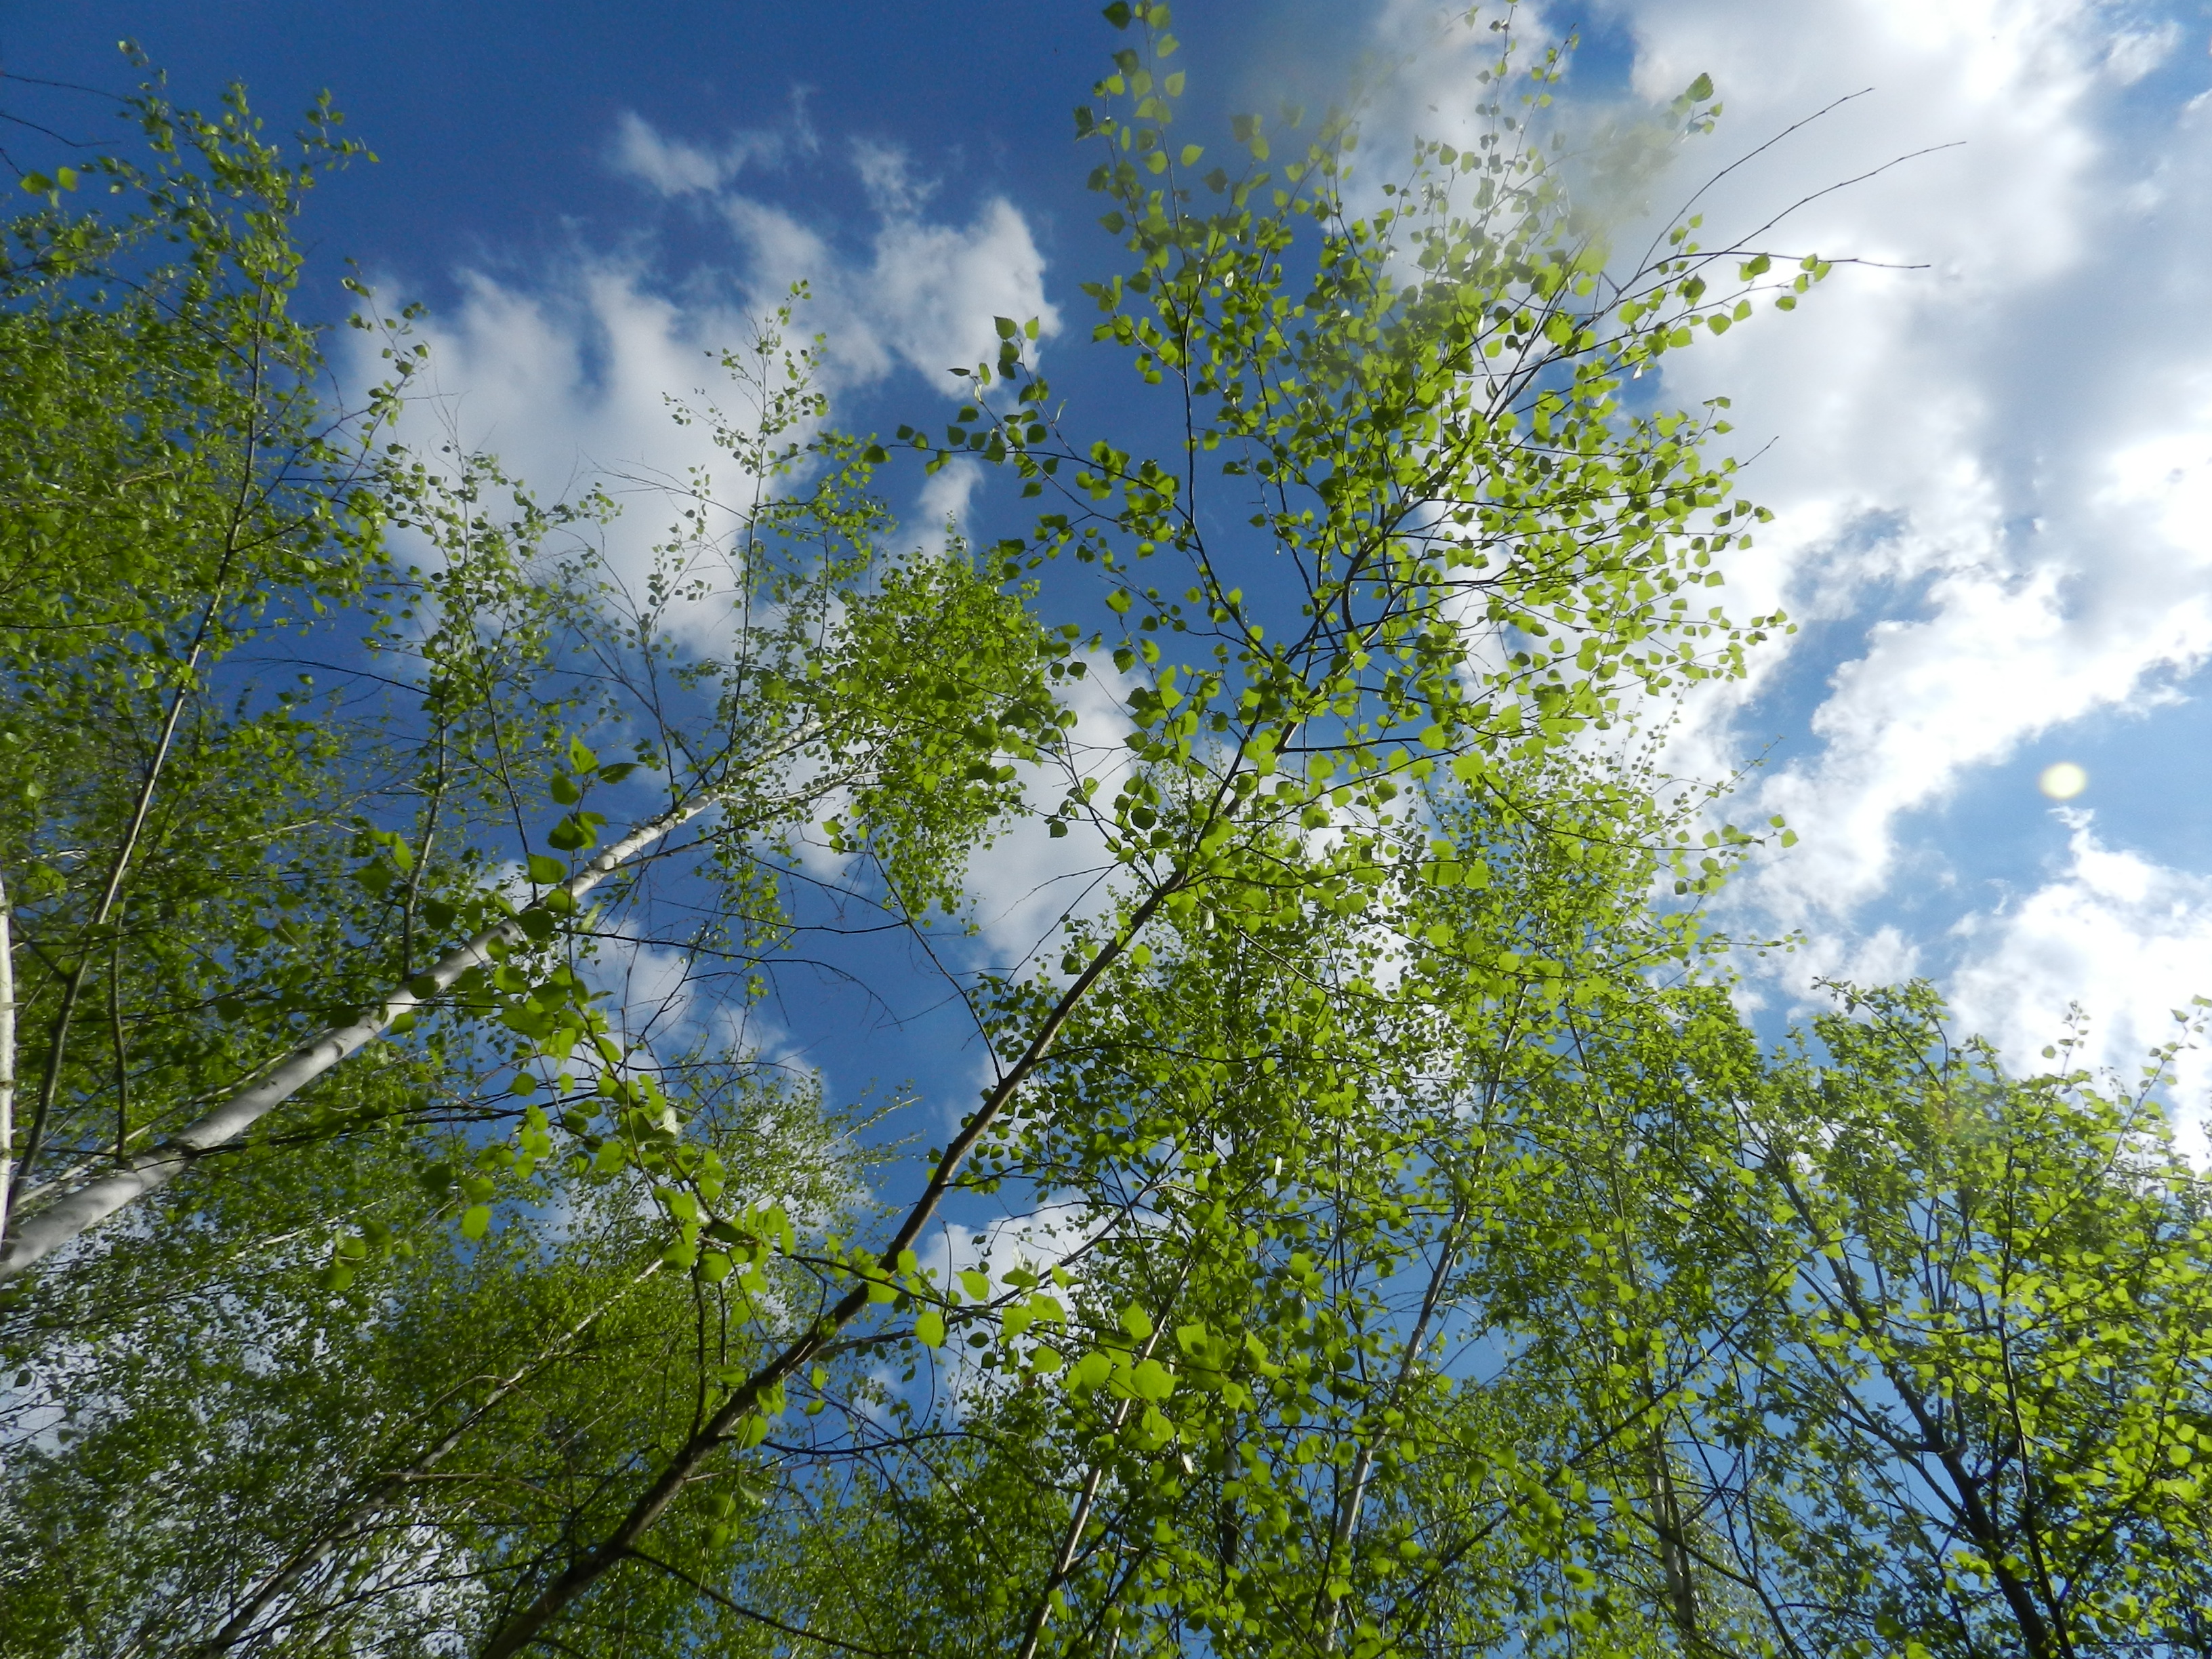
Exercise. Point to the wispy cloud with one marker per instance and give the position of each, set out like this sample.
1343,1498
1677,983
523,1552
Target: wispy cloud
676,167
2124,939
567,373
886,173
1992,461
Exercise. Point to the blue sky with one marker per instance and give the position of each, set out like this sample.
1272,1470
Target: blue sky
1992,467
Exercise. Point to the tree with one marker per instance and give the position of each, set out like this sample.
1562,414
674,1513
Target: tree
1922,1341
292,511
172,492
286,1465
1362,1308
1441,461
1994,1353
251,867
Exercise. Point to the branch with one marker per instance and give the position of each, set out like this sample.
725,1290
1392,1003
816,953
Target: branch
7,1055
91,1204
593,1564
382,1491
722,1601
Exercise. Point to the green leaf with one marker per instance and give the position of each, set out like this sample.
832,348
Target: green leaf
1150,1380
1299,1110
1088,1373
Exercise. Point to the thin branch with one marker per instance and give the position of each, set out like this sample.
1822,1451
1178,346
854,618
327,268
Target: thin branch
67,1218
7,1054
388,1487
593,1564
742,1611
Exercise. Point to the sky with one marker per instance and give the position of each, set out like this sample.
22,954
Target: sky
1988,444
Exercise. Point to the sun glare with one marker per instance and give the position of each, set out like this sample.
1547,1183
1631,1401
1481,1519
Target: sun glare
2063,781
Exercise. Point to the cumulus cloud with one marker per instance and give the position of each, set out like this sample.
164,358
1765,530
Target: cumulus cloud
924,295
1027,881
2127,940
1992,454
2033,447
567,374
676,166
887,174
938,288
941,509
1038,1240
568,382
924,298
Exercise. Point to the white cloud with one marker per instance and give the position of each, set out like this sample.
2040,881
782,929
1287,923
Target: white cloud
674,166
935,289
1027,881
1038,1240
669,166
568,377
568,385
941,509
2134,54
1992,473
928,292
2032,435
2129,940
568,382
886,173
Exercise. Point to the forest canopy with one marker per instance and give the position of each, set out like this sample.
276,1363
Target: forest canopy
1377,1230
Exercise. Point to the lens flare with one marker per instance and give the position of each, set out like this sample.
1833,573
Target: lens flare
2063,781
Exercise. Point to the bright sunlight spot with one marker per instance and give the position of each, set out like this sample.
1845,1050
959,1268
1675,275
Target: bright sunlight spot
2063,781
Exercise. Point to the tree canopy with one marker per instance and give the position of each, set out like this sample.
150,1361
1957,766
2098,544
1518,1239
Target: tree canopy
1404,1245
